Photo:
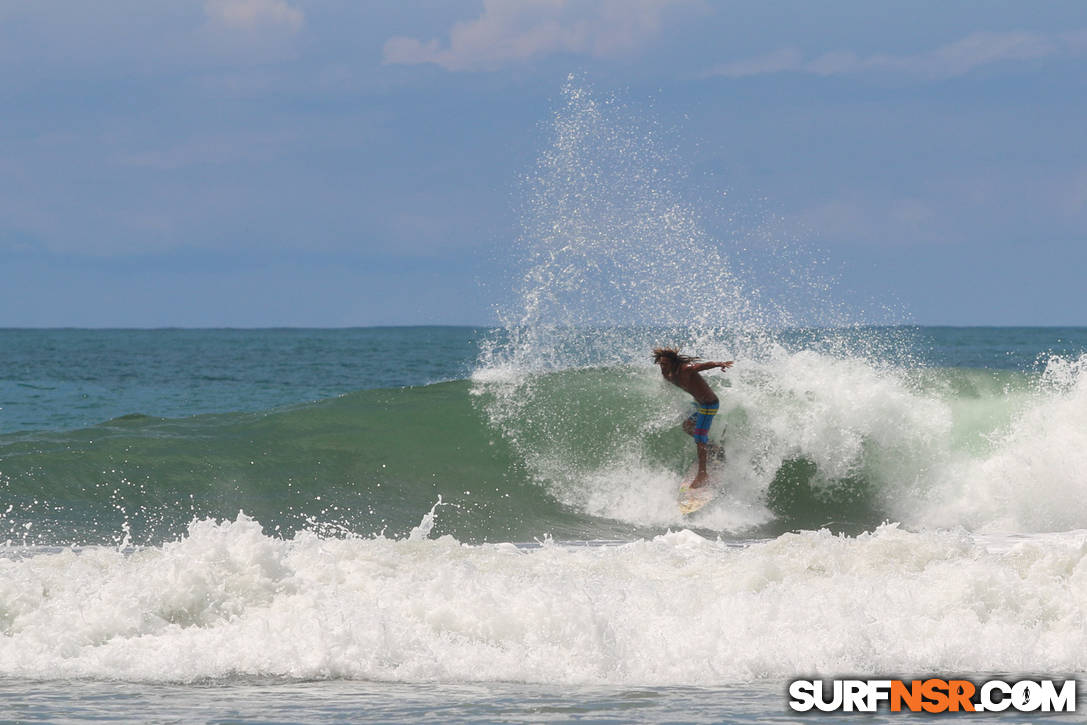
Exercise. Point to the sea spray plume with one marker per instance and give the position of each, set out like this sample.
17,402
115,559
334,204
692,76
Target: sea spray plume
608,242
613,258
615,263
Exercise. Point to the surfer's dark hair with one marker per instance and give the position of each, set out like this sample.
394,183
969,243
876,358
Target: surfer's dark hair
672,355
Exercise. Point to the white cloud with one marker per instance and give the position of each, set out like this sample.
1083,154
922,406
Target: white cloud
786,59
516,30
254,14
954,59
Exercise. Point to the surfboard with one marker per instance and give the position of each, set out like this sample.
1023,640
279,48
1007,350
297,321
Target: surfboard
693,499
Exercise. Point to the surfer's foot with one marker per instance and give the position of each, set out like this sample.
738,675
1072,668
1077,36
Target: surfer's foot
699,481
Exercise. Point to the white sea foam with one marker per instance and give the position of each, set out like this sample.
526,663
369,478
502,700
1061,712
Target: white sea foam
1032,473
1008,460
227,600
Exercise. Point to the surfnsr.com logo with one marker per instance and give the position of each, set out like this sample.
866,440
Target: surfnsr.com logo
933,695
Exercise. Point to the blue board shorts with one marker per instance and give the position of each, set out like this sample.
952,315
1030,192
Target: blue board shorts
701,419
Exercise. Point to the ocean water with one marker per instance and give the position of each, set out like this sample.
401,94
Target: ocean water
393,524
480,525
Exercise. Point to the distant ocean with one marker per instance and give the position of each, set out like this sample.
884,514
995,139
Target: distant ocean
437,524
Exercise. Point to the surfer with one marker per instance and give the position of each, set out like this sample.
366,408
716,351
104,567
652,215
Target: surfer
683,372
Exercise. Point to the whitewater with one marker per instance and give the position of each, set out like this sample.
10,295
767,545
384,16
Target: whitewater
227,599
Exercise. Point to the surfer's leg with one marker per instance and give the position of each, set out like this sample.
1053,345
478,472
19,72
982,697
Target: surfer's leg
715,451
703,419
700,477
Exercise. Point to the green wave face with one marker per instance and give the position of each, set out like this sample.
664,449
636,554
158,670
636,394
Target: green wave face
811,440
365,463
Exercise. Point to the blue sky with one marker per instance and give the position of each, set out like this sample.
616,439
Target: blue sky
328,163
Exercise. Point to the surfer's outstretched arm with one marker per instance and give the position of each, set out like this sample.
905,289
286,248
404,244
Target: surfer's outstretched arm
703,366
